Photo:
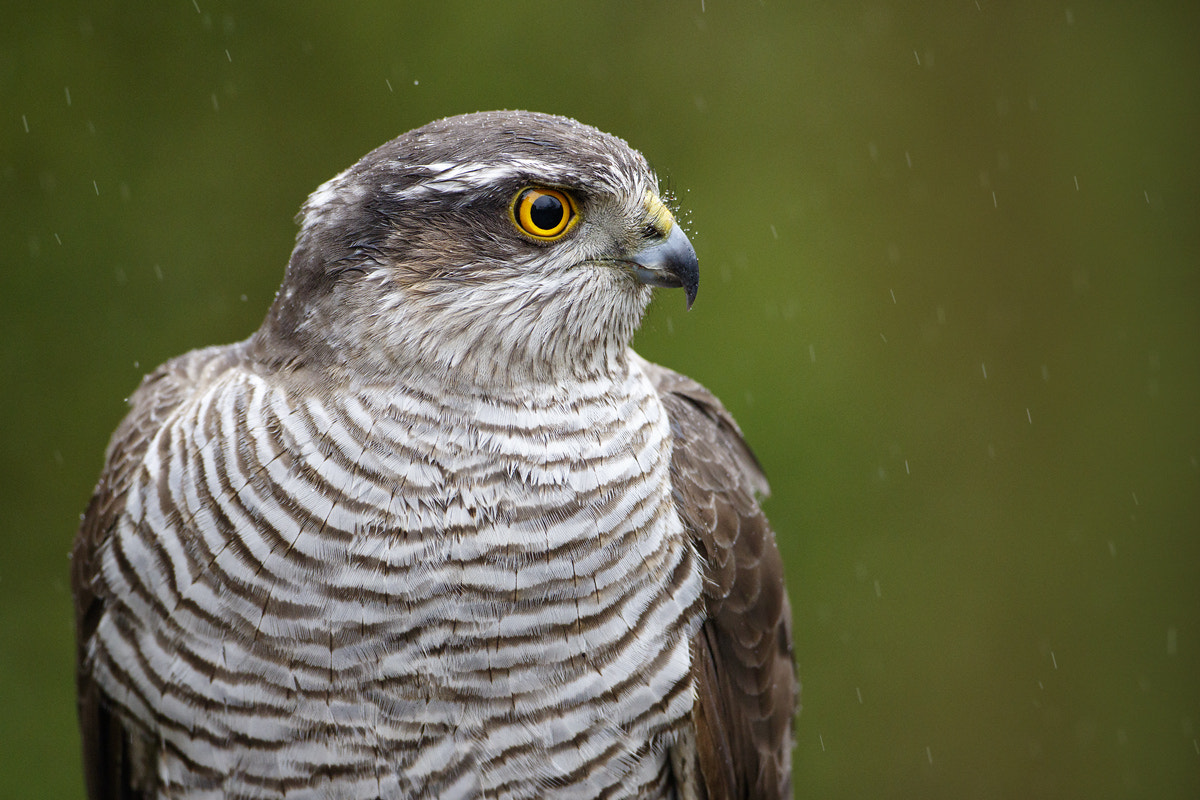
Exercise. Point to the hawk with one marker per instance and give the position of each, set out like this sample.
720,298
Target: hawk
435,530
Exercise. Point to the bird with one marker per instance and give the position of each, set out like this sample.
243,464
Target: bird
435,530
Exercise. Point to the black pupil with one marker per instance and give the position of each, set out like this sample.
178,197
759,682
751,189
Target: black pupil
547,212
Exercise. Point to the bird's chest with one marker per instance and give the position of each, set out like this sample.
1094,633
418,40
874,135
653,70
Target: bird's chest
532,558
486,598
549,623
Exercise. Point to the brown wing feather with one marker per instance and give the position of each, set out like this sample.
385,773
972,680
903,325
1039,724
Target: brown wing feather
118,762
745,675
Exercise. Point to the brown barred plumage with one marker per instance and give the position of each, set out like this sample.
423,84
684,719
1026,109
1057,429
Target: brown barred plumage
434,530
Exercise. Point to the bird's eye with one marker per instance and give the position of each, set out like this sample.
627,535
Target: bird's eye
543,213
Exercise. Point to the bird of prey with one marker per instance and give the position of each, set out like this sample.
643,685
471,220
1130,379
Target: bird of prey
435,530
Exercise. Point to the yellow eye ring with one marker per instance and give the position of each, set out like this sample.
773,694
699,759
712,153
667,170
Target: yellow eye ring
542,213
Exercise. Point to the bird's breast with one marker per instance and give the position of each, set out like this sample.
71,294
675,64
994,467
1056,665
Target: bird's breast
461,593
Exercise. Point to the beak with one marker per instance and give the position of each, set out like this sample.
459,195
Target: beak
669,262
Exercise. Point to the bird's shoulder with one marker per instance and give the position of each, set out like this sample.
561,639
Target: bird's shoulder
745,679
151,406
114,762
704,428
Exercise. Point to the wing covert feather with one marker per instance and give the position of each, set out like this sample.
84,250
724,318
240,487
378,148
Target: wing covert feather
745,676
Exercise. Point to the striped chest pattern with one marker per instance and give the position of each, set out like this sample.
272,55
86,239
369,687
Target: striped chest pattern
399,591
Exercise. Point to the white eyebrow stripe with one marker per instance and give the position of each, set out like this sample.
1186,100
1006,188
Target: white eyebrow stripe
451,177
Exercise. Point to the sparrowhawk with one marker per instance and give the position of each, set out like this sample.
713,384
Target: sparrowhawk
435,530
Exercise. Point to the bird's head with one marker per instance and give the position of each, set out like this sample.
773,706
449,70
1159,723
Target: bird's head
482,249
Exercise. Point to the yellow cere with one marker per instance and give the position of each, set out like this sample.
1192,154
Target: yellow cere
658,214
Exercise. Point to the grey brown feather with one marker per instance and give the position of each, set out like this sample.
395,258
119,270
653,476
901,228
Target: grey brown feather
434,530
744,665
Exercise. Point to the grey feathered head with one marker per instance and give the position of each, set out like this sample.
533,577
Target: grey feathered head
485,248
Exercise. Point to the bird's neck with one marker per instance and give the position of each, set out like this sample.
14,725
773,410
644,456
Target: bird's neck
511,370
477,351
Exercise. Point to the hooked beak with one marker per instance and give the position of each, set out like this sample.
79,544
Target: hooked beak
669,262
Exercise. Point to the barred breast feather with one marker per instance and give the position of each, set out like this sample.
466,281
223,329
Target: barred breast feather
426,596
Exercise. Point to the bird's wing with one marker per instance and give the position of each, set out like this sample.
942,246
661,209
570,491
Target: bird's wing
117,762
746,687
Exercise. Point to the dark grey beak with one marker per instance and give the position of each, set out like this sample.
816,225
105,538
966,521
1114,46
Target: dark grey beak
670,262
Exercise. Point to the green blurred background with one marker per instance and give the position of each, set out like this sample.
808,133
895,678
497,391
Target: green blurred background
951,289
